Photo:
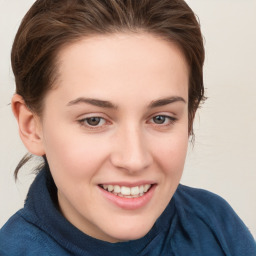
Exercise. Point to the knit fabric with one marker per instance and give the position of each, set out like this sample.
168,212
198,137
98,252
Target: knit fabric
195,223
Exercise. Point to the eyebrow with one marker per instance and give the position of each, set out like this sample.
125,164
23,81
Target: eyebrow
165,101
94,102
108,104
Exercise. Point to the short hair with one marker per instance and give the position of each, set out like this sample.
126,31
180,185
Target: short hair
49,25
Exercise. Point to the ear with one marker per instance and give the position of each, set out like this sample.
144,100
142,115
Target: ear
30,129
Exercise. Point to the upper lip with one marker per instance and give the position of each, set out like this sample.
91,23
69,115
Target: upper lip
129,184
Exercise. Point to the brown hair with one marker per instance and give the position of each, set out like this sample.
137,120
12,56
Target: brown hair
51,24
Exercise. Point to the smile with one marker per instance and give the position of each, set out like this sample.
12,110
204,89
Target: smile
128,197
127,192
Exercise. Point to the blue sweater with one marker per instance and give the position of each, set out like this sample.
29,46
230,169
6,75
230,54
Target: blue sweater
195,223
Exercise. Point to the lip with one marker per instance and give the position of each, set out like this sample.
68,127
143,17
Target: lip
129,203
129,184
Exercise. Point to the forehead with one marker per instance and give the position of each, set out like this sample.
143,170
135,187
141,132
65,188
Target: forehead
121,61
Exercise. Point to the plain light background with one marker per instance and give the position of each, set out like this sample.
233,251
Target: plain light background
223,159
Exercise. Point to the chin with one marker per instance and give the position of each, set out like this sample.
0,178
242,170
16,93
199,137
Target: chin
128,232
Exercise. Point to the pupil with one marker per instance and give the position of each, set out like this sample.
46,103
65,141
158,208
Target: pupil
93,121
159,119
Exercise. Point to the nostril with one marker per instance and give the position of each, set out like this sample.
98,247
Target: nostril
131,165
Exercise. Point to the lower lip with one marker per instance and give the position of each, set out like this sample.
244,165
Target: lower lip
129,203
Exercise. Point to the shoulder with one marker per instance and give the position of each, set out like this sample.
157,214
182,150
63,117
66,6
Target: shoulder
196,199
20,237
209,214
207,206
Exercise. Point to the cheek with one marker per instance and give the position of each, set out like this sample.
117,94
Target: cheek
73,154
171,153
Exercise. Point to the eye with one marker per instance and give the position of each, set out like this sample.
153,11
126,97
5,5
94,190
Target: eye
163,120
93,121
159,119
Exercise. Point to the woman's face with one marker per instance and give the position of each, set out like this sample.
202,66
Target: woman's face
115,132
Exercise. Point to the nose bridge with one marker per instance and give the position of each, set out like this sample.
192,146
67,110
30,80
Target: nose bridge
131,151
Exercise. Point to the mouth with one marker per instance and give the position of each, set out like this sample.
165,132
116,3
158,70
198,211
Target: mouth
128,197
127,192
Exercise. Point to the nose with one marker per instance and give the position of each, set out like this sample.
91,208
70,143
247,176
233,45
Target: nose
131,151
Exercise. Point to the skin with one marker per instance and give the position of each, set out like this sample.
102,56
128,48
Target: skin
132,73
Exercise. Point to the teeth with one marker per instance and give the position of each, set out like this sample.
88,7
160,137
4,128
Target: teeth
135,191
110,188
127,192
146,188
117,189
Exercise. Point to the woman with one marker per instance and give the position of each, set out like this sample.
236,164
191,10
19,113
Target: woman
106,93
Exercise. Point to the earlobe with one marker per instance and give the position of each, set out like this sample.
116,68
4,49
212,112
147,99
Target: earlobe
29,126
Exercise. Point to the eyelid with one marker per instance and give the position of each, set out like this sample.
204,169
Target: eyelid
170,117
82,121
166,114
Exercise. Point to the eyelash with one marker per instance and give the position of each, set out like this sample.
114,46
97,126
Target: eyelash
84,122
168,120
